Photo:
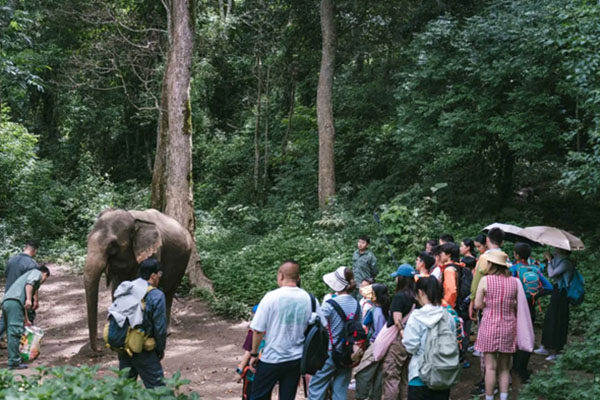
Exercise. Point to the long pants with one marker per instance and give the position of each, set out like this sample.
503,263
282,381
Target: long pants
556,324
145,364
339,378
395,371
267,375
30,315
424,393
369,377
15,323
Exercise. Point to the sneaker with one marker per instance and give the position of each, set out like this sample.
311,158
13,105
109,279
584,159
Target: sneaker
478,391
541,351
471,349
476,353
19,366
551,357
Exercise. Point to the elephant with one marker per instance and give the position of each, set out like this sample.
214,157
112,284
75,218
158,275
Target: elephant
119,241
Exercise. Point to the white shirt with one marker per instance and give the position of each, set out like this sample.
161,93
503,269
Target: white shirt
283,314
437,272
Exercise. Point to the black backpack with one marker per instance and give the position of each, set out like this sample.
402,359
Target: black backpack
352,334
316,343
465,278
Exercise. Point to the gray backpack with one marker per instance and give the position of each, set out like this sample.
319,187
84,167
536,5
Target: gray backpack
440,367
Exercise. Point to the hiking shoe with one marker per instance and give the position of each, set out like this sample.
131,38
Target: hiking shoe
20,366
478,391
551,357
476,353
542,351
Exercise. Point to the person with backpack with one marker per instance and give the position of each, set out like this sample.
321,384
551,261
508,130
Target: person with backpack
281,320
556,322
462,308
451,274
430,337
395,362
497,296
343,314
369,378
529,276
141,304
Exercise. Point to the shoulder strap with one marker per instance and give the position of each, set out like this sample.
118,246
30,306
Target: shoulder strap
357,311
338,309
313,302
143,302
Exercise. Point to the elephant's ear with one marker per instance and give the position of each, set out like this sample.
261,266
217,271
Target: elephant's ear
146,240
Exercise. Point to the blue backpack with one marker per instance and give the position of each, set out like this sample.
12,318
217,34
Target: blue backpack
576,290
530,279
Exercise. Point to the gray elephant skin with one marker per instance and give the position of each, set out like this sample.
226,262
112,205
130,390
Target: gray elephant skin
119,241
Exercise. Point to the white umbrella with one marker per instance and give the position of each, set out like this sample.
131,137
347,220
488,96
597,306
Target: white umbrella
507,228
512,233
553,237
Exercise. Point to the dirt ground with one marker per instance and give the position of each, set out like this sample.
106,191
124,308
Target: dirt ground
204,347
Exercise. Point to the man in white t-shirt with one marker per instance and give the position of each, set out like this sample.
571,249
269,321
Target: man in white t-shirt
281,319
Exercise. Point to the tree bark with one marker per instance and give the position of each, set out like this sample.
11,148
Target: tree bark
266,138
257,123
286,138
325,107
172,180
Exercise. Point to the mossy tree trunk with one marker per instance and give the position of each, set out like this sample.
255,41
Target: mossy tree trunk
172,178
325,106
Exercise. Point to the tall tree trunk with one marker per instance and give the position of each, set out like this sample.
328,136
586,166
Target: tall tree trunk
325,107
158,200
172,180
266,138
257,123
286,138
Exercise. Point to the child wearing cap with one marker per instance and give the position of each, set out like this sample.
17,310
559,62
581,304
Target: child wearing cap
395,362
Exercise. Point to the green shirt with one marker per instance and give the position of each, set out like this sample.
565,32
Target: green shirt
364,266
17,290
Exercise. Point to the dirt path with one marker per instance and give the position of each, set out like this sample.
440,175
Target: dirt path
204,347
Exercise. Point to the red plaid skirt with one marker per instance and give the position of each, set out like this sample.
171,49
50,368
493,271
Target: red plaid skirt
498,327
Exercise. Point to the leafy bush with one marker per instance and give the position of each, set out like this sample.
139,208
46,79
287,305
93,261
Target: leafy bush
71,383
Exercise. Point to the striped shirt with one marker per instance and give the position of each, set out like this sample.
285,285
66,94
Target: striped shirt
349,305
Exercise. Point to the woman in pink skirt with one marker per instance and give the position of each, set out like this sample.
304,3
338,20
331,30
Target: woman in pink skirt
497,338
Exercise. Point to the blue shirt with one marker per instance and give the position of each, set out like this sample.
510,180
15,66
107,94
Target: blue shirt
155,319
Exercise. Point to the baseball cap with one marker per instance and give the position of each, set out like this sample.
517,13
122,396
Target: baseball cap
405,270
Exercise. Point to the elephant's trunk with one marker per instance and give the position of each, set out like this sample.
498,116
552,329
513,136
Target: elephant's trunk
95,264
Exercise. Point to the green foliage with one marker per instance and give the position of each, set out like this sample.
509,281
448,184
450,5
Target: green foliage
575,374
71,383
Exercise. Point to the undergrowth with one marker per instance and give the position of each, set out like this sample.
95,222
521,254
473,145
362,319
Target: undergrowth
78,383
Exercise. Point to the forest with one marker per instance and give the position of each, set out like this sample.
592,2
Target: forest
304,122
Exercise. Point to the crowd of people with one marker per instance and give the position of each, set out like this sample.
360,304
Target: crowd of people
405,342
410,330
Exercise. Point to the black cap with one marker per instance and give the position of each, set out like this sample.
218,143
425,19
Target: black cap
149,266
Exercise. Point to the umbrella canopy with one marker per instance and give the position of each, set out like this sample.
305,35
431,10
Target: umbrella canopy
553,237
512,233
